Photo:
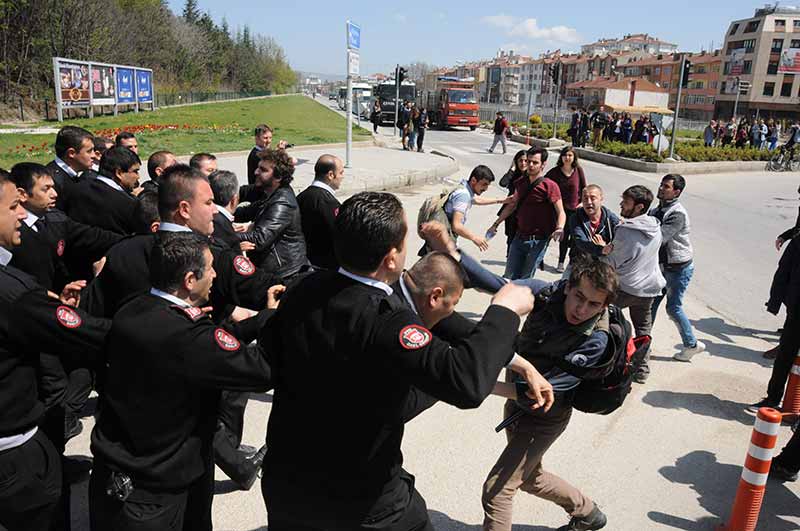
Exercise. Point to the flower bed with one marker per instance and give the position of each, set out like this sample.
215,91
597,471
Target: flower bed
685,151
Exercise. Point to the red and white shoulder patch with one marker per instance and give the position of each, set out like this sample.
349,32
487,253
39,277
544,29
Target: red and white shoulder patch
225,340
60,246
243,266
193,312
67,317
413,337
335,211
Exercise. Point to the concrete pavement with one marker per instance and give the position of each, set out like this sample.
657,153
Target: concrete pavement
671,457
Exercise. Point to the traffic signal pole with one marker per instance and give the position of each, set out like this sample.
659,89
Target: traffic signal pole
677,110
396,98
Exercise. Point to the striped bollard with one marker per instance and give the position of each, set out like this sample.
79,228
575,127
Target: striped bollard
791,399
750,494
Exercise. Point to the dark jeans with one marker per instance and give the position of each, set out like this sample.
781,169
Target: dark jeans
787,351
566,242
30,485
420,138
524,256
150,510
640,309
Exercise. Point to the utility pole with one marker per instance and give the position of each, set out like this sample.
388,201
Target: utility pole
556,83
677,109
736,102
396,97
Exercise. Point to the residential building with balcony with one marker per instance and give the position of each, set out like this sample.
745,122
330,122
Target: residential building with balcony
638,42
752,52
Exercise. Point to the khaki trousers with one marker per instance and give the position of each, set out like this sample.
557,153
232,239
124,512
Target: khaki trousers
520,467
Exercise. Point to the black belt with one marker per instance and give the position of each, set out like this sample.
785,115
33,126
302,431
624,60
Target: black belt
529,237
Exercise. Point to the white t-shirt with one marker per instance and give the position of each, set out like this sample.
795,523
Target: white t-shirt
460,201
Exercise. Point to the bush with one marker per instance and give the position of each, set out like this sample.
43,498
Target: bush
535,120
686,151
544,131
640,151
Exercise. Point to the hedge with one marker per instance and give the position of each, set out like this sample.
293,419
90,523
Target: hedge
686,151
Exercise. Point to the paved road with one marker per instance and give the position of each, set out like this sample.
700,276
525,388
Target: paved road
671,457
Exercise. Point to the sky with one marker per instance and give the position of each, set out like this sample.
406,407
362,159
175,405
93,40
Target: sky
312,32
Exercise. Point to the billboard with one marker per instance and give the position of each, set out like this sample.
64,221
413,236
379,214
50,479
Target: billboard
144,85
790,61
103,85
737,61
73,84
125,86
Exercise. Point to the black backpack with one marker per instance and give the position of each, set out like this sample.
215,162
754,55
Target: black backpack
605,386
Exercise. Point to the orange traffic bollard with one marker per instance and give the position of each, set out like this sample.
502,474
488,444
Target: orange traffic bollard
746,506
791,400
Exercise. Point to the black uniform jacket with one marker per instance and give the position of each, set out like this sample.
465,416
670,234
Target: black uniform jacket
318,210
127,273
61,250
166,367
95,203
32,322
345,357
63,182
252,164
224,233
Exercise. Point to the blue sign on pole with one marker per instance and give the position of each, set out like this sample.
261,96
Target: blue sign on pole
144,82
353,36
125,86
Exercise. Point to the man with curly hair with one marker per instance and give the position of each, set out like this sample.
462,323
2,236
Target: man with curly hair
276,237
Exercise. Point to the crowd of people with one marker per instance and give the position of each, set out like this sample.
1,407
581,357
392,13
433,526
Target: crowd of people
412,122
176,298
605,127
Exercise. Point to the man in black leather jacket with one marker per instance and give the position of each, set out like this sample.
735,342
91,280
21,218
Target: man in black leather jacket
277,239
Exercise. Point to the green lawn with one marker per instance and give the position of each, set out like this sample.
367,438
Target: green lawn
213,128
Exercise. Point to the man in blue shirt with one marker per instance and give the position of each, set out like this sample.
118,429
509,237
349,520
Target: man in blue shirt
462,199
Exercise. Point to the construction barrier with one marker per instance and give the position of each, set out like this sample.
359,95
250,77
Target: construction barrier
747,504
791,400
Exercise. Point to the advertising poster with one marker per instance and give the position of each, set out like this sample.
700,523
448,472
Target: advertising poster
737,62
125,86
103,85
73,83
790,61
144,81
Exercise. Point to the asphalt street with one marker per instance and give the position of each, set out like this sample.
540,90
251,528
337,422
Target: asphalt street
671,457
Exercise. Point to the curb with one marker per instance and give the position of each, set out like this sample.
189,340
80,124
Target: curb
538,142
683,168
360,144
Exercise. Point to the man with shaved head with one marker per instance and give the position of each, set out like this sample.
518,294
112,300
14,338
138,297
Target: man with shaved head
318,209
157,164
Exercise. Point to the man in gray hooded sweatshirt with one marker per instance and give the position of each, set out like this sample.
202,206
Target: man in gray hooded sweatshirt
634,255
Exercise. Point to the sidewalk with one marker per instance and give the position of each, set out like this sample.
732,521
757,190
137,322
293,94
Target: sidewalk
372,168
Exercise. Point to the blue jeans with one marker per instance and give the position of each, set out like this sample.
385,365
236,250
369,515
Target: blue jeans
482,279
412,140
524,257
677,282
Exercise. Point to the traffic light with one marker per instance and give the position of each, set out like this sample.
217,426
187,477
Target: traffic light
687,71
401,74
555,69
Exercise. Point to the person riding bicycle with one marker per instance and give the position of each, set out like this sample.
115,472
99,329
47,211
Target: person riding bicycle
794,138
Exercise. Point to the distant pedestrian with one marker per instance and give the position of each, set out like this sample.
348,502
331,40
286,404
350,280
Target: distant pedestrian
722,127
500,129
627,128
773,133
676,260
583,129
763,133
518,169
599,121
375,116
574,130
413,122
422,126
402,123
709,133
741,136
569,177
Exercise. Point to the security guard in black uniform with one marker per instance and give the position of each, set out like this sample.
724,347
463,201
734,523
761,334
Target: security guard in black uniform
31,321
74,149
186,205
343,334
152,444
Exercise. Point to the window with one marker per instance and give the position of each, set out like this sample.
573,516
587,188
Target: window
657,71
786,88
749,45
769,89
795,43
714,84
734,29
777,45
748,67
726,69
780,24
751,26
723,87
700,69
667,70
797,24
772,67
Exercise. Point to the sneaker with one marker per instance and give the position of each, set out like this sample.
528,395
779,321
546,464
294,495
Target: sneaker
595,520
560,268
490,151
640,377
765,402
781,473
688,352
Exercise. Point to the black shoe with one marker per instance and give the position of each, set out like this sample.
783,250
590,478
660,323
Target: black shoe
781,473
247,471
76,469
247,449
595,520
765,402
640,376
72,427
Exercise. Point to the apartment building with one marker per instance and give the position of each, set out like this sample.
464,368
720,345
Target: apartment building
763,50
638,42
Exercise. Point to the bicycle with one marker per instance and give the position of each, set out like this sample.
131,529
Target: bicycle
783,161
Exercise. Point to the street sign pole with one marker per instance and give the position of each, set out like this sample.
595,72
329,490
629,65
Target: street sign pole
396,98
736,103
349,111
677,109
353,40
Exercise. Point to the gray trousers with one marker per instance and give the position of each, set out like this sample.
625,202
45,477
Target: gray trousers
501,139
640,309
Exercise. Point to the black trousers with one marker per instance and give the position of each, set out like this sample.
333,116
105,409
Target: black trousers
151,510
564,244
79,387
414,518
787,352
228,437
790,455
30,485
420,138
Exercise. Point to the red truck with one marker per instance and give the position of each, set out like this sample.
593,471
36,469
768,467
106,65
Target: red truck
450,102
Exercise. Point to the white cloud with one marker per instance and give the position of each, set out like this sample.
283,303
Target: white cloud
530,28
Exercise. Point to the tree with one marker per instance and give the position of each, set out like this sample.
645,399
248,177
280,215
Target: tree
190,11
